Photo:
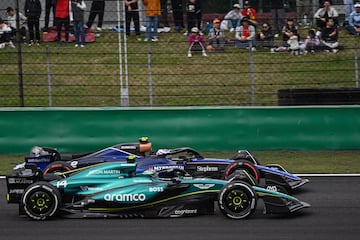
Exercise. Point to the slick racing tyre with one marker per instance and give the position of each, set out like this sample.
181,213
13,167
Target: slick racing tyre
41,201
236,168
237,200
57,167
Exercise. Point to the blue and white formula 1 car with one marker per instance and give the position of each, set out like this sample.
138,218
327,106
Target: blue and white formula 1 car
187,159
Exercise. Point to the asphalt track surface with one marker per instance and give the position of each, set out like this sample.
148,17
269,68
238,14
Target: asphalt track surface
334,214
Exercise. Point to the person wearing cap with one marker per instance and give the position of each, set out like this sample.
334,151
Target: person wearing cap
216,37
249,12
233,17
245,35
5,35
354,21
322,14
196,42
11,21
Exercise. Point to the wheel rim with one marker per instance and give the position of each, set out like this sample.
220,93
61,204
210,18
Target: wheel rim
40,202
237,201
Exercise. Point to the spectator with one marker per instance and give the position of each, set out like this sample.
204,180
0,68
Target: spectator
354,21
329,36
287,30
97,9
277,15
77,16
249,12
32,12
5,35
349,8
311,43
193,14
178,14
293,42
164,22
265,38
49,4
324,13
12,23
216,37
62,15
153,11
132,12
245,35
233,17
196,42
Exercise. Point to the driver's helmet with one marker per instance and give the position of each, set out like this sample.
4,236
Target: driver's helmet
162,152
38,151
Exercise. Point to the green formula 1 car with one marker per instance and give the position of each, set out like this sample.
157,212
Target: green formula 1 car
115,190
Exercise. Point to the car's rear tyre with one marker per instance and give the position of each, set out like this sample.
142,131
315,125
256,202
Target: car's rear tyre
41,201
246,166
57,167
237,200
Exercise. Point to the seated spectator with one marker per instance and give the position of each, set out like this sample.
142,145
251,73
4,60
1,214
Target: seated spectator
233,18
249,12
12,23
265,38
311,43
5,35
293,43
196,42
329,36
216,37
324,13
245,35
287,30
354,21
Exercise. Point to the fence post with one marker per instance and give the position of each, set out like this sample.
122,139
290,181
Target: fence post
150,77
48,63
251,74
356,65
19,56
124,88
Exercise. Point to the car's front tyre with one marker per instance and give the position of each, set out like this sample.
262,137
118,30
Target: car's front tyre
237,200
41,201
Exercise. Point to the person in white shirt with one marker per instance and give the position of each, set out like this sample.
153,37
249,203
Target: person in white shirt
324,13
5,35
233,17
11,22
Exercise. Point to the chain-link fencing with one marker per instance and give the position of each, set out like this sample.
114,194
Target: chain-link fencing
118,71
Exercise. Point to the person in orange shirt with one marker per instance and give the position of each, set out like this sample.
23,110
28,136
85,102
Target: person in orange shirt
153,11
249,12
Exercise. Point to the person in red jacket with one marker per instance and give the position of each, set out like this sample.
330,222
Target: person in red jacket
62,15
249,12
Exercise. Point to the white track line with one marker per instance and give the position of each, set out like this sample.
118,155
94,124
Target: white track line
312,175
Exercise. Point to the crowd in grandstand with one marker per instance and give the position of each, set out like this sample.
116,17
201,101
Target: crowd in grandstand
242,28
